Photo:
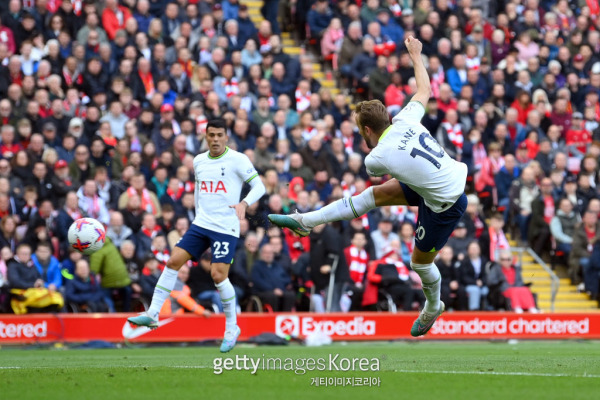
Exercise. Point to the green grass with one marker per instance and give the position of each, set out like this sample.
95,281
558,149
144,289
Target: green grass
432,370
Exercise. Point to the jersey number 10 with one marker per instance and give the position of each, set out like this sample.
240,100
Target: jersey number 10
430,154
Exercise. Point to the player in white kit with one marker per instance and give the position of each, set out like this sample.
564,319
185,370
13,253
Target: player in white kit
424,175
220,175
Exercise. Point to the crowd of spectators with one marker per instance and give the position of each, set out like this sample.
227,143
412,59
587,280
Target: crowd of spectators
103,106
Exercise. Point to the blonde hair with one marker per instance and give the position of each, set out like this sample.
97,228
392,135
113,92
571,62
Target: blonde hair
47,156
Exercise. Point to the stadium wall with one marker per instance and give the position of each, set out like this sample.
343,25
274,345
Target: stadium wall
36,328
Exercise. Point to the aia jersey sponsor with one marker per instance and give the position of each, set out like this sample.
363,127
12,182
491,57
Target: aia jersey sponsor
211,187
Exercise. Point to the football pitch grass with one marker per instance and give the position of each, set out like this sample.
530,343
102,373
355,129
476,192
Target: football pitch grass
407,370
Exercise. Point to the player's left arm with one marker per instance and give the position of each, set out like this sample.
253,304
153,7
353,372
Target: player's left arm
257,189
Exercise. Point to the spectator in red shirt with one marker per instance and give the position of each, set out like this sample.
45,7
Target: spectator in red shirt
7,37
446,101
357,259
489,168
523,105
394,94
114,17
578,139
475,18
531,144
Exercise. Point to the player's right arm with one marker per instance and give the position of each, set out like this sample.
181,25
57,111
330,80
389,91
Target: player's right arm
414,47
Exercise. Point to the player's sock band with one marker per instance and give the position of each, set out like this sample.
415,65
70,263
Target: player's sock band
343,209
163,288
227,294
431,282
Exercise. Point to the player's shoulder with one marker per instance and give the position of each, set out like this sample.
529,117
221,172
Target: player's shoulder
234,153
236,156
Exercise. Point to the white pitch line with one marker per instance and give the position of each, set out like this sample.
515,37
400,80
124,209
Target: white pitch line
507,373
405,371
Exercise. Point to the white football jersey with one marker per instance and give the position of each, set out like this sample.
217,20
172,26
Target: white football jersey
219,183
408,152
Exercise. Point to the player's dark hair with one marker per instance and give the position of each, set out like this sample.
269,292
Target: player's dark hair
216,123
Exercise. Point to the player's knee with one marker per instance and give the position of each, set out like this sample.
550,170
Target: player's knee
217,275
388,194
174,264
420,257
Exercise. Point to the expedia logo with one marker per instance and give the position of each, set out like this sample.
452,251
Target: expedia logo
287,325
293,325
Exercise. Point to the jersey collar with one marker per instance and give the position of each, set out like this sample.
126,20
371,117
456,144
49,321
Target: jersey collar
384,133
222,154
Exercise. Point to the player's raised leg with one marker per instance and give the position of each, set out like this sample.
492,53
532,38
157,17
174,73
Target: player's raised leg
389,193
163,289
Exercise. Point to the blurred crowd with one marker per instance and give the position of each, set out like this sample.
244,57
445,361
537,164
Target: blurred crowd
104,104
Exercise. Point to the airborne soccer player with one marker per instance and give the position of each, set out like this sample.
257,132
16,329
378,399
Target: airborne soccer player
423,175
220,175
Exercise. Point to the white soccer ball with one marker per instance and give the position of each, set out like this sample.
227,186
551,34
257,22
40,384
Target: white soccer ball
86,235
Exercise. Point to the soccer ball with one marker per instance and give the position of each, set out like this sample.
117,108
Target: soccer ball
86,235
